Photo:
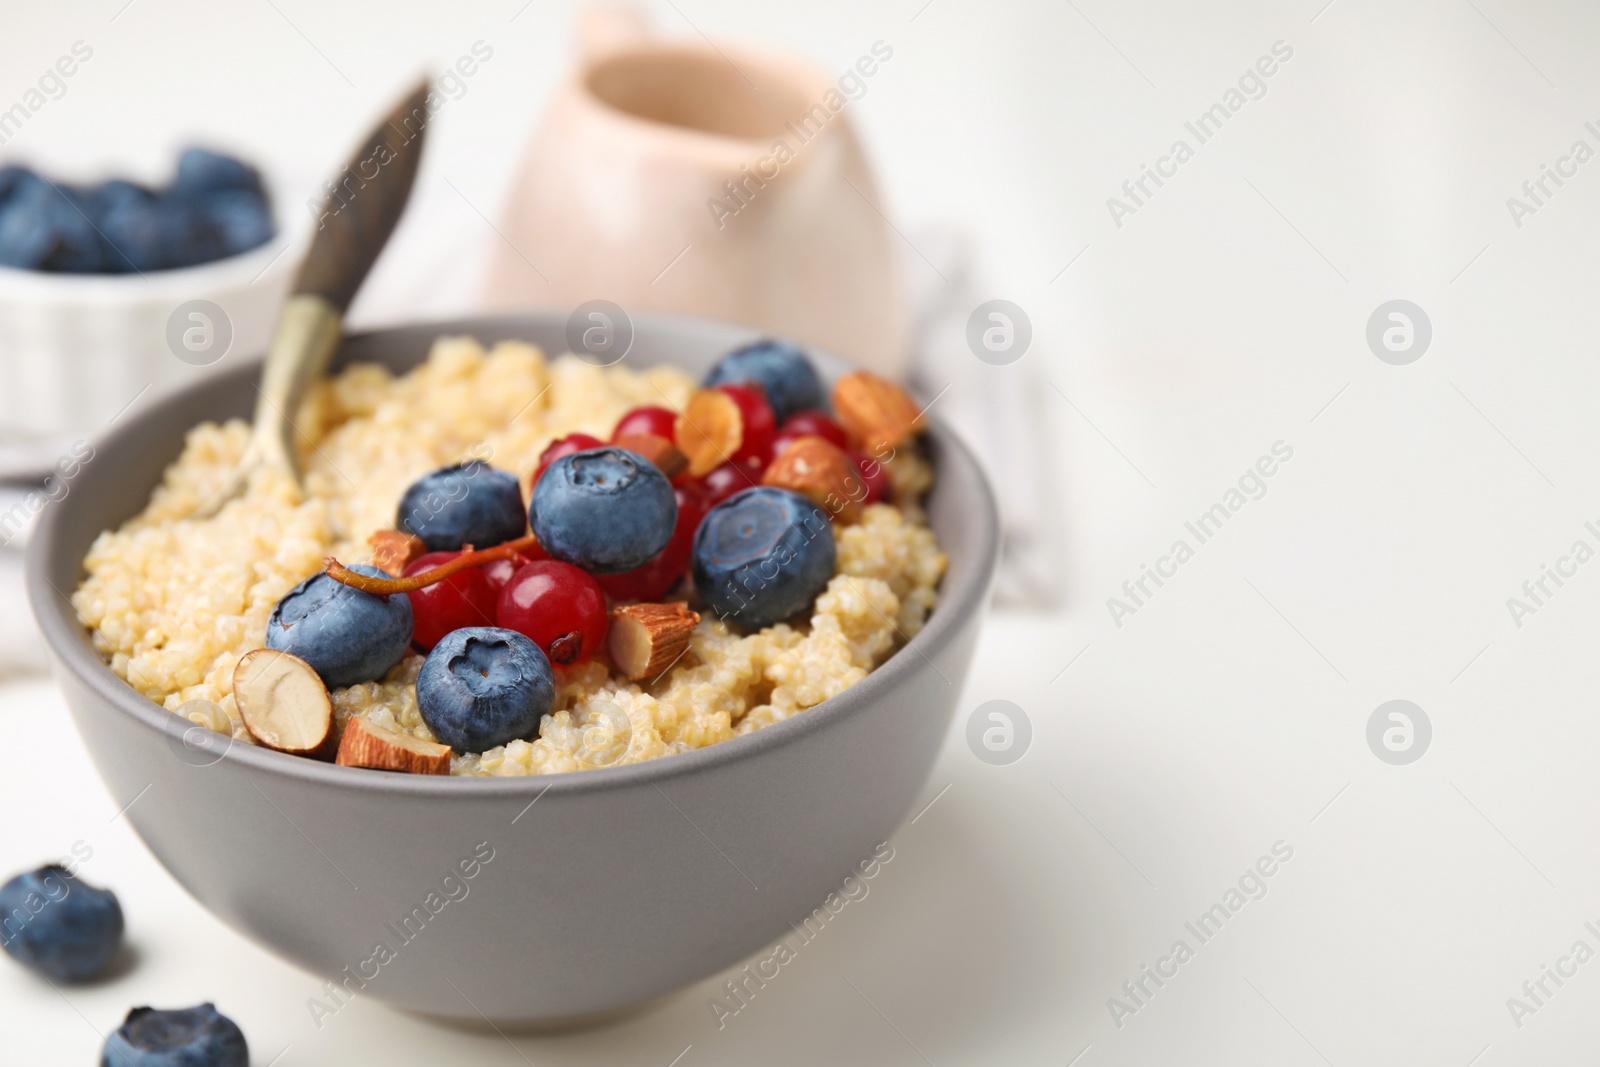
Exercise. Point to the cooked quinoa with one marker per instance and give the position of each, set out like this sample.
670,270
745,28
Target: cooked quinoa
174,602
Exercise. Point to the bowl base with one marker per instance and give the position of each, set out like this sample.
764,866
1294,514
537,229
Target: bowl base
563,1024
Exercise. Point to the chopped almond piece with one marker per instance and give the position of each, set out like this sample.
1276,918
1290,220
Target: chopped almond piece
666,456
394,550
646,639
283,703
366,744
709,431
875,411
821,471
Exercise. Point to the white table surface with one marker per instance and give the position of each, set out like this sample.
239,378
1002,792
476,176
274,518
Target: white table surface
1230,711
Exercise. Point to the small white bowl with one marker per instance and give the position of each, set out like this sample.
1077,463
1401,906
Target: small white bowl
78,350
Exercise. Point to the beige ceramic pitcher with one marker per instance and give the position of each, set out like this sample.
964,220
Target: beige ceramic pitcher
716,181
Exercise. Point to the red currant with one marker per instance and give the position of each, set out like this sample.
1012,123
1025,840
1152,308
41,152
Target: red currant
464,599
563,446
759,424
561,608
808,424
654,420
499,571
728,479
873,476
656,579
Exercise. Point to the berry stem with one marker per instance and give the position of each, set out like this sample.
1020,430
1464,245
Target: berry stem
388,586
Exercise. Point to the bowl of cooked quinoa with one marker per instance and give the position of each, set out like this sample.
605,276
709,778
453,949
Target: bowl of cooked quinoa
656,826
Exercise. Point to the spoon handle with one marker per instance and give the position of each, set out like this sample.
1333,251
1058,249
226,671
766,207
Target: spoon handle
364,204
358,214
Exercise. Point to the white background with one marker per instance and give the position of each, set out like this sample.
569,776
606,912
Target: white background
1229,713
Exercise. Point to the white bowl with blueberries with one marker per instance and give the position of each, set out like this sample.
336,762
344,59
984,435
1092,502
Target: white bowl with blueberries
115,291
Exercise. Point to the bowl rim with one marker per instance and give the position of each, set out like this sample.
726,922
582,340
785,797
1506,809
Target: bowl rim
65,635
150,282
807,80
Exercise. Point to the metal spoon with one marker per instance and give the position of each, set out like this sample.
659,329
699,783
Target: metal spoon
356,220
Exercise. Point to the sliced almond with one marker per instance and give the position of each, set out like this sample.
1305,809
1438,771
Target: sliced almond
395,550
283,703
819,470
666,456
709,431
875,411
366,744
646,639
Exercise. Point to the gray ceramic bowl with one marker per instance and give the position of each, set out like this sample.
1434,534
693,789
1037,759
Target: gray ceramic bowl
601,889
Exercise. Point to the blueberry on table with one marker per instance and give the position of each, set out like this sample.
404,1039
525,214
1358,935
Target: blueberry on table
183,1037
201,170
762,556
780,368
484,686
57,925
606,510
470,503
347,636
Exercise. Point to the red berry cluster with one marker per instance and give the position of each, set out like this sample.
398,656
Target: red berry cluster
563,608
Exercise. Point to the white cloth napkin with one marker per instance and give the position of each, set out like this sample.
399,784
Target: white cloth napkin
21,646
997,410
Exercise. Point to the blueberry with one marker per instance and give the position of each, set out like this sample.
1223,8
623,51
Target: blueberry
346,635
59,926
126,215
762,556
216,207
201,170
187,237
113,194
780,368
606,510
43,227
471,503
183,1037
79,247
14,177
26,236
483,686
240,217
